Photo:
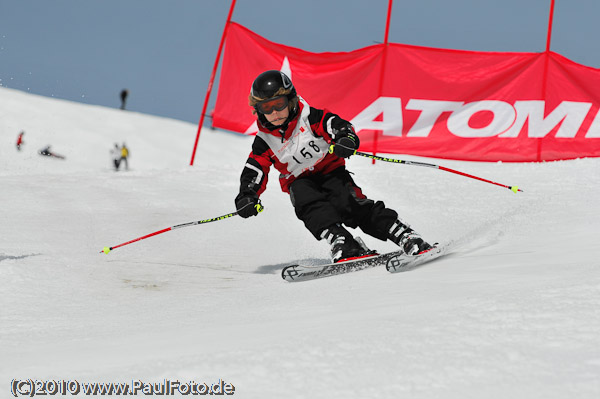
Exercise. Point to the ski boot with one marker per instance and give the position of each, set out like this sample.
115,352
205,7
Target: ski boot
343,245
406,238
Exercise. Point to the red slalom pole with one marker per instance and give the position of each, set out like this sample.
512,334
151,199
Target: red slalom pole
106,250
384,53
511,188
550,20
212,79
514,189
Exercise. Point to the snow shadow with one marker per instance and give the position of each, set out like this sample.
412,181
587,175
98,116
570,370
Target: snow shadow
4,257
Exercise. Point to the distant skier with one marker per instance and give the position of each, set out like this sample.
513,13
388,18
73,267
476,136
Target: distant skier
125,156
308,146
115,156
124,94
20,141
48,153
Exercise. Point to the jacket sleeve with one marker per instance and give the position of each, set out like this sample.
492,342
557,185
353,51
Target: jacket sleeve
330,126
255,174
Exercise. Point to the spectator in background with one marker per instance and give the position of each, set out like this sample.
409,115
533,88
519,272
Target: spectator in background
20,141
115,155
125,155
124,94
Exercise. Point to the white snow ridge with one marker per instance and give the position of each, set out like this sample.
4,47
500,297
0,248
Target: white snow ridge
512,313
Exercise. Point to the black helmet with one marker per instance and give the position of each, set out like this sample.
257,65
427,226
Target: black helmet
270,84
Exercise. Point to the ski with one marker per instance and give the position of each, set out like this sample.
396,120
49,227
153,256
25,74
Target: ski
402,262
395,262
310,272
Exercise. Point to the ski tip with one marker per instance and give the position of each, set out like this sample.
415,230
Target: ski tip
288,273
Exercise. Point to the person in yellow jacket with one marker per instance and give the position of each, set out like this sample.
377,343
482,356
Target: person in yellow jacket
125,156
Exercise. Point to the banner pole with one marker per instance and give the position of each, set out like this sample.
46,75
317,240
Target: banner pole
387,23
551,18
212,78
383,61
545,73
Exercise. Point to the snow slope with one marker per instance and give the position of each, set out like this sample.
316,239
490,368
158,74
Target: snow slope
512,313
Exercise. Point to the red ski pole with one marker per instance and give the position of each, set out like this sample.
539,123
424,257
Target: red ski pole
429,165
106,250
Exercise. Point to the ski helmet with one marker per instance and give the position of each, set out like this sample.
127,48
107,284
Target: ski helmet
271,84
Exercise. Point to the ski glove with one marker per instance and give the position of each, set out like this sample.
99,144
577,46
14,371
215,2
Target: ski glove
345,143
248,205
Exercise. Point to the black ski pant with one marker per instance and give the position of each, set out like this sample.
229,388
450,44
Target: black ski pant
322,200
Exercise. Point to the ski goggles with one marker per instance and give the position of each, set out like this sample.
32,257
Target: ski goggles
278,103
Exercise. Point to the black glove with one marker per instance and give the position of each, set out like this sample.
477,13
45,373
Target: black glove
344,147
248,205
345,141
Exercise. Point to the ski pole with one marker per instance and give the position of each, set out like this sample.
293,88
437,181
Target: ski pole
429,165
106,250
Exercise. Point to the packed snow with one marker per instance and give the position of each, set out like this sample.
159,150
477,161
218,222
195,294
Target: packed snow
512,312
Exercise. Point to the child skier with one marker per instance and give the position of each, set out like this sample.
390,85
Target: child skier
308,146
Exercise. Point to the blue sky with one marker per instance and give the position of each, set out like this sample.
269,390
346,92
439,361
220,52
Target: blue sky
164,51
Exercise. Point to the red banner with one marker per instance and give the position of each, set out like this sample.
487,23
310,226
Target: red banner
480,106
